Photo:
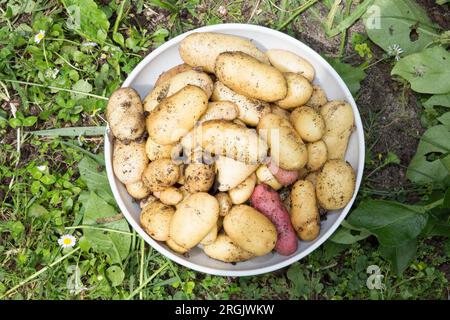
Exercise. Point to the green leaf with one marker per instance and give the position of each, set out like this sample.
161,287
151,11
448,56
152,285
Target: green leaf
391,222
427,71
87,19
352,76
438,100
95,178
118,37
82,86
29,121
14,122
399,22
400,256
445,120
71,132
422,169
116,275
37,211
345,236
116,246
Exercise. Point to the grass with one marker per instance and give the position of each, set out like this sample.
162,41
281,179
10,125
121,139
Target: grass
63,82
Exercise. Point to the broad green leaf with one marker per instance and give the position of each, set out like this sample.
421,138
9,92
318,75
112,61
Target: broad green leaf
115,245
442,100
400,256
116,275
427,71
87,19
423,169
445,120
345,236
95,178
37,211
352,76
82,86
400,22
71,132
391,222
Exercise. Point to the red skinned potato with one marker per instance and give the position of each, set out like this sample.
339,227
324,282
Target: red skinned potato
284,177
268,202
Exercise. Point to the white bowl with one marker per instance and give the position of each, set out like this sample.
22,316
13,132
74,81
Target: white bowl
165,57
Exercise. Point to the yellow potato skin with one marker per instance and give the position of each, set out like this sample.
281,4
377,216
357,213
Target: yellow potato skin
138,190
248,76
175,84
250,230
305,216
202,48
176,115
220,110
169,74
265,176
243,191
211,236
308,123
317,155
250,110
299,91
170,196
318,98
225,138
286,147
287,61
225,203
155,220
125,114
224,249
160,174
176,247
198,177
129,161
231,173
193,219
339,121
157,151
335,184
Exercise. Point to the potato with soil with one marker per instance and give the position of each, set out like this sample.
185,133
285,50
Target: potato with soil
305,216
160,174
339,122
198,177
129,161
170,196
287,149
202,48
335,184
225,203
250,110
264,175
194,218
224,249
175,84
176,115
250,230
231,173
317,155
138,190
157,151
318,98
170,73
211,236
287,61
155,220
299,91
248,76
308,123
220,137
243,191
125,114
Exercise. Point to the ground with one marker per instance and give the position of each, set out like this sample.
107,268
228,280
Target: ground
391,115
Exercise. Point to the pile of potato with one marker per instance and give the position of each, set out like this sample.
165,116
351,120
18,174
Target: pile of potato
235,150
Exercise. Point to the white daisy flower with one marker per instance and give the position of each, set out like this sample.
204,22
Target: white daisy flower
42,168
39,36
89,44
67,241
394,50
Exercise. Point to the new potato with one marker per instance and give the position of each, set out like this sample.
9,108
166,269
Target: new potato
201,49
287,61
125,114
194,218
243,191
160,174
250,110
287,149
198,177
176,115
250,230
169,74
138,190
248,76
129,161
308,123
155,220
157,151
317,155
318,98
224,249
231,173
335,184
299,91
305,216
225,203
